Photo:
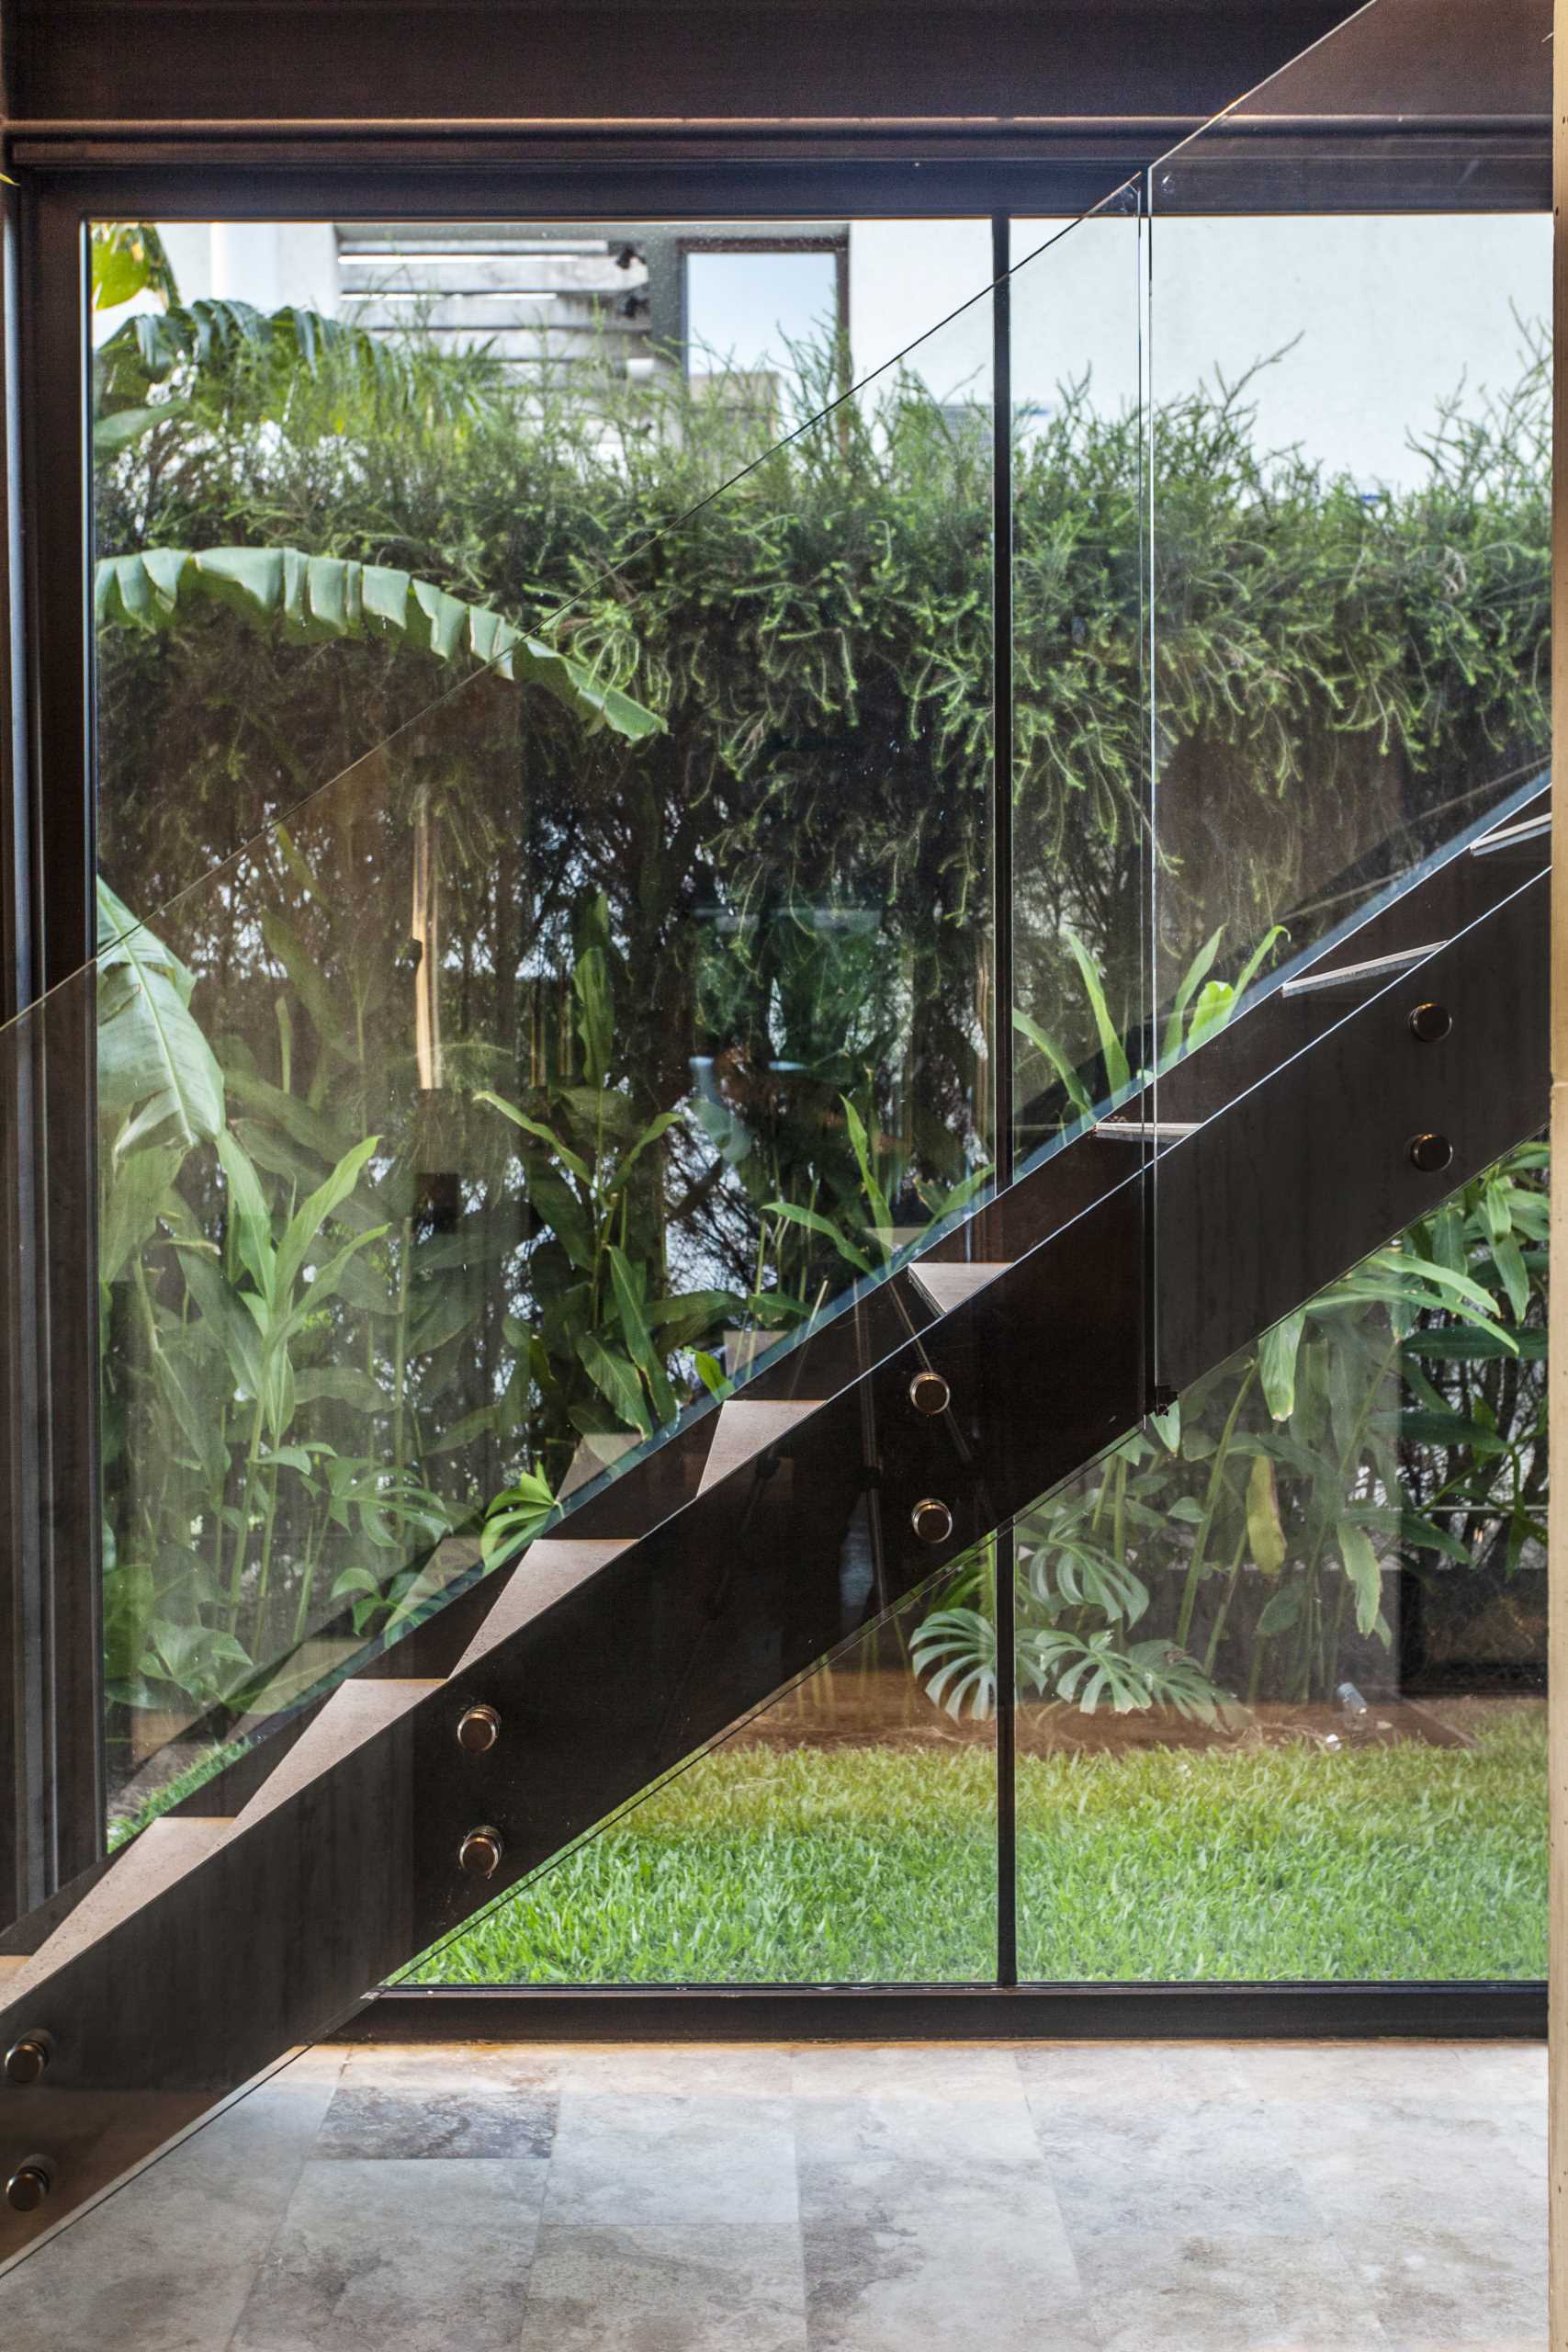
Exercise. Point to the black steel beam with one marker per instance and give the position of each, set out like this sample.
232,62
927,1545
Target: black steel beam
118,60
1443,2011
274,1937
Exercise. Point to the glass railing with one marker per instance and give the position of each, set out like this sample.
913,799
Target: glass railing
1348,371
477,1124
625,1017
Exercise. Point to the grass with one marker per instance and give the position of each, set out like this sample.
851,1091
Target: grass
877,1864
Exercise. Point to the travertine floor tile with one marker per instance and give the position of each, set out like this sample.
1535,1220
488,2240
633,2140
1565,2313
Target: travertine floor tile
669,2289
646,2158
1155,2198
1206,2292
165,2265
409,2256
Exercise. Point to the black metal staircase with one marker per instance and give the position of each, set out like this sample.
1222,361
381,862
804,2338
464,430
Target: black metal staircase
682,1594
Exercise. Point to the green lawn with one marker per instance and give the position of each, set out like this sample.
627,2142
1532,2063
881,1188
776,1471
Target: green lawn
760,1865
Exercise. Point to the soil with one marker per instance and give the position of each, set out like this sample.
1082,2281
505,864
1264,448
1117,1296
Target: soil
884,1708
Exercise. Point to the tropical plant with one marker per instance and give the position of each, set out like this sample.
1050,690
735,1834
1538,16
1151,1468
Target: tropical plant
1242,1545
601,1346
312,597
781,883
1200,1007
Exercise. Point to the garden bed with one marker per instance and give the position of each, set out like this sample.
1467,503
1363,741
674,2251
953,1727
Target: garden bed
885,1707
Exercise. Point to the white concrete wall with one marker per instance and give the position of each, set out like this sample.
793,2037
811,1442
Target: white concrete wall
905,276
267,263
1383,317
1375,321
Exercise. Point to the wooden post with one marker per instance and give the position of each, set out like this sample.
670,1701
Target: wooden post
1557,1421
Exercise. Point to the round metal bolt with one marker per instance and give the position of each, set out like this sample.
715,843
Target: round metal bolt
479,1853
27,2057
1430,1023
29,2185
1430,1154
931,1521
929,1393
478,1729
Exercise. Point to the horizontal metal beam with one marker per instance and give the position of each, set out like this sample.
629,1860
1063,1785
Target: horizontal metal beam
1443,2011
539,58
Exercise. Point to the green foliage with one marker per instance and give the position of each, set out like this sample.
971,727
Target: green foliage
688,1027
312,596
601,1347
1199,1009
1242,1546
156,1071
127,259
215,360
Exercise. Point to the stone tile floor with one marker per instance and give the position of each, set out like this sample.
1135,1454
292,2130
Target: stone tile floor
977,2198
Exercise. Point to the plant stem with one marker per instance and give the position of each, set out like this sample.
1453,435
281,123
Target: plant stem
1210,1504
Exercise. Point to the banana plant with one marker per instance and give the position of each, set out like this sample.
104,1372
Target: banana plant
599,1346
317,597
1200,1007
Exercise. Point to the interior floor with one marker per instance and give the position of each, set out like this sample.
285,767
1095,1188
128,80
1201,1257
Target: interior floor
843,2198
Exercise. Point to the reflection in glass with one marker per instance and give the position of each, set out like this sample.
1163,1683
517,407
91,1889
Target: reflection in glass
1351,493
1080,782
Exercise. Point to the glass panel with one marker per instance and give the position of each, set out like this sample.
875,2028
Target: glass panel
1351,493
1283,1654
846,1834
1080,839
604,1028
1351,490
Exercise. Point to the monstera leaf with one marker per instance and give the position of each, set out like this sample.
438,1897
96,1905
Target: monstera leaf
320,596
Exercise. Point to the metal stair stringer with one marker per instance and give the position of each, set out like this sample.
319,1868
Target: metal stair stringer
614,1668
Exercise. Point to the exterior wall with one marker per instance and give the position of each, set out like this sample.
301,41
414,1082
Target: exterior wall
1367,324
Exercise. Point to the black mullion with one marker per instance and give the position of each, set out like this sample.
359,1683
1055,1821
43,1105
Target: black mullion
60,1562
1002,1025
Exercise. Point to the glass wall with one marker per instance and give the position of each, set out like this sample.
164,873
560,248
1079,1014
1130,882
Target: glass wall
1282,1656
630,1005
846,1834
1351,364
612,1021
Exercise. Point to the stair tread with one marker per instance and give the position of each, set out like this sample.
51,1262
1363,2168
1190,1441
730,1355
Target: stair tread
1145,1130
1525,829
352,1714
745,1429
549,1569
1343,974
951,1283
593,1457
163,1852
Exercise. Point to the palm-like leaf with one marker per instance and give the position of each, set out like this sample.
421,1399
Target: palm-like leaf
321,597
